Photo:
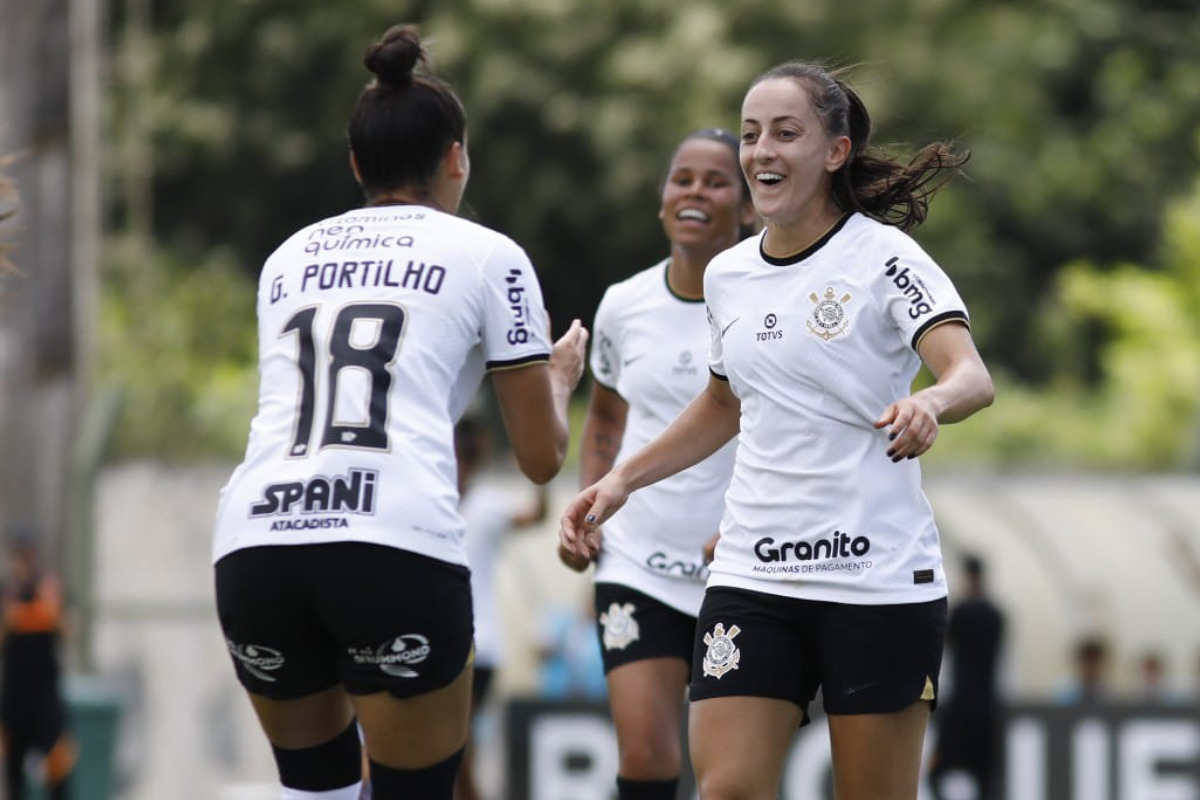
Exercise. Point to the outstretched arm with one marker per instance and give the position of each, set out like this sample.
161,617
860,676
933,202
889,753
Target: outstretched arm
700,430
603,430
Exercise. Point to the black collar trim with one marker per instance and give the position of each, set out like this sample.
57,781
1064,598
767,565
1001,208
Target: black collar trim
796,258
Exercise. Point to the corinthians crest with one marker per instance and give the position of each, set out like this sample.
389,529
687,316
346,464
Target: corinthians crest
722,654
828,318
620,628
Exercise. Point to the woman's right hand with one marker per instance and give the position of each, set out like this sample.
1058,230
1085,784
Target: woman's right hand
579,528
569,355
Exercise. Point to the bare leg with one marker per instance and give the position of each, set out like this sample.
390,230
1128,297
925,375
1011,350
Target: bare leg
305,721
878,756
647,706
416,732
739,744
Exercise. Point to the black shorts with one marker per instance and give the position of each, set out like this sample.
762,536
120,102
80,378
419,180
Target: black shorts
865,659
633,626
299,619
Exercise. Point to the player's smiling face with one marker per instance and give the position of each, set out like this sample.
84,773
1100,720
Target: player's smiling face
786,154
702,202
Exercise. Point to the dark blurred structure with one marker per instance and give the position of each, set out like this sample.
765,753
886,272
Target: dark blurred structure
968,723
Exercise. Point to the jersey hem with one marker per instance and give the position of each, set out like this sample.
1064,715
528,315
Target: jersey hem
830,594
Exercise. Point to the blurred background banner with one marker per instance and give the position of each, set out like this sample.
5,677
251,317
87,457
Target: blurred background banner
1052,752
164,149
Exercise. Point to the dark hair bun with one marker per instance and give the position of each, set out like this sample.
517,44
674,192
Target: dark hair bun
394,57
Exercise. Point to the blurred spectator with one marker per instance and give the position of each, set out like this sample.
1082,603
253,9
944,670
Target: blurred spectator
490,512
569,649
1153,685
1090,681
32,711
965,755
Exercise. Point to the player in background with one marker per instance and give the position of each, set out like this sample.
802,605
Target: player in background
489,512
341,579
648,362
33,715
828,572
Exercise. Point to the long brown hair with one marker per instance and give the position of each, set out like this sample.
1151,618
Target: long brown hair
870,181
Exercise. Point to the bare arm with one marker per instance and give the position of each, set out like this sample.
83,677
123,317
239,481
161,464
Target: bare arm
700,430
603,430
963,387
533,401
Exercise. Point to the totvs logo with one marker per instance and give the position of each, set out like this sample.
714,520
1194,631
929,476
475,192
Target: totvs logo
920,299
353,492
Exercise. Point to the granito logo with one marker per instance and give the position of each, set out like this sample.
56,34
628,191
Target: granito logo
840,545
353,492
661,562
519,332
920,299
769,321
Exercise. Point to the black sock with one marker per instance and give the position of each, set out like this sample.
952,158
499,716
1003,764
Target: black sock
646,790
431,783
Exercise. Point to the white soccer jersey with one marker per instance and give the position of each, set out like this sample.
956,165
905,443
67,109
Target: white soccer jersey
374,330
649,345
816,347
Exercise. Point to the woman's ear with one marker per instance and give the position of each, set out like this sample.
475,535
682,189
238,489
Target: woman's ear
455,161
839,152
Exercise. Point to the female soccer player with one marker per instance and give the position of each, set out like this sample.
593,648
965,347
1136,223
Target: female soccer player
828,572
341,581
647,362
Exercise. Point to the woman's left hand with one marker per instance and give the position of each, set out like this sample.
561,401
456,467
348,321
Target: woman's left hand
912,427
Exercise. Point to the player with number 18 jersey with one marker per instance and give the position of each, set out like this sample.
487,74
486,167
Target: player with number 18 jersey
375,328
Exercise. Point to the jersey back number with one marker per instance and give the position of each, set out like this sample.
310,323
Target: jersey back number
345,352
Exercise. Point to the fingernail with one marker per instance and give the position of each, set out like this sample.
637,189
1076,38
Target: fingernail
891,436
913,456
897,459
890,454
590,518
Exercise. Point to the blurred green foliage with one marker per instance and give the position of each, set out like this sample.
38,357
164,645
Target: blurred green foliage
1081,116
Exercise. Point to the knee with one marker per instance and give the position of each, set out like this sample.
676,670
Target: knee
650,757
725,785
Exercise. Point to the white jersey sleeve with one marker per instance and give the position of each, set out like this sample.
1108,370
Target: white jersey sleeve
716,354
605,357
914,292
515,325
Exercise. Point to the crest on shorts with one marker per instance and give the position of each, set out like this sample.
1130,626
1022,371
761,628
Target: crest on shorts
620,628
722,654
828,318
